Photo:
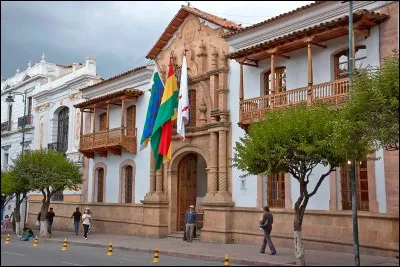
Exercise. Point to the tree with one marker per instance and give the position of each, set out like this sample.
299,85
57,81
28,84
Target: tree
374,108
48,171
7,188
12,187
294,140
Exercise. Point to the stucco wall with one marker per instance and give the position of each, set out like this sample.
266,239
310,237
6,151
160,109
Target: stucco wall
296,77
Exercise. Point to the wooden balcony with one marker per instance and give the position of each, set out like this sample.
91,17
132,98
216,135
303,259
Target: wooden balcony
335,93
112,140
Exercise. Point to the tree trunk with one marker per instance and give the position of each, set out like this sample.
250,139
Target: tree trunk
299,249
17,228
43,219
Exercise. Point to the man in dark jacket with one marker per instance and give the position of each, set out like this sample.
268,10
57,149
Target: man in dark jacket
266,225
190,222
50,216
77,218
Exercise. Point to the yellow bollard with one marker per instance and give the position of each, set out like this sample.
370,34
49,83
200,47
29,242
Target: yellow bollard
226,263
36,243
110,250
7,239
156,259
65,246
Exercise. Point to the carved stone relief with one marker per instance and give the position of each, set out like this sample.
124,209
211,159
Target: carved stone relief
77,126
42,107
41,132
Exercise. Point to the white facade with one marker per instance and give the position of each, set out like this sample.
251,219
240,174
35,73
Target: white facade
296,77
51,87
114,164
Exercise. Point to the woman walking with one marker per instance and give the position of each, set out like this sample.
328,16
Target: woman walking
86,220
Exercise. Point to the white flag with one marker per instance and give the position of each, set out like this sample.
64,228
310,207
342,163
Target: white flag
183,104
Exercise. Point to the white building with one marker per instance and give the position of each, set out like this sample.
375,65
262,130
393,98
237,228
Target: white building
115,114
51,90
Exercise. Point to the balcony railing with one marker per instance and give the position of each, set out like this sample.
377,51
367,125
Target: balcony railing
5,126
58,147
335,93
23,121
121,137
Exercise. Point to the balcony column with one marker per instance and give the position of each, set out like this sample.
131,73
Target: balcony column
81,130
241,94
122,118
94,124
310,75
108,121
272,80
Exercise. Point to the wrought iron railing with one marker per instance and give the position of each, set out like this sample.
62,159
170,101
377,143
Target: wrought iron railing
5,126
23,121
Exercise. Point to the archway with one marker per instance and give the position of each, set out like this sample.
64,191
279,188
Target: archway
191,186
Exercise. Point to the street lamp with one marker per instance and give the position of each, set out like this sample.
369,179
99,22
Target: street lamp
10,99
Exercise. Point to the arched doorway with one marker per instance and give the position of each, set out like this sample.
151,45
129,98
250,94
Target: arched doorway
192,186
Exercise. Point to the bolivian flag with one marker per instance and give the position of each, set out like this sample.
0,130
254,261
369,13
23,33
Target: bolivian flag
162,131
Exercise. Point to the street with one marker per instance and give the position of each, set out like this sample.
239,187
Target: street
19,253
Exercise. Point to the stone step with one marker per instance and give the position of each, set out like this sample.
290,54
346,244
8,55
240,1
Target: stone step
179,235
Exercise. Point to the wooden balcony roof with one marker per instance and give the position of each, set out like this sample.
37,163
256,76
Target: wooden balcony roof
112,98
363,20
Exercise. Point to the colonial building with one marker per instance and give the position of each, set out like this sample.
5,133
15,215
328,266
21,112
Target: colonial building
57,123
47,91
302,56
299,56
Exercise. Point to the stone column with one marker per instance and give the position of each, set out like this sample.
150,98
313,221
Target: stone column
152,173
222,183
159,180
222,86
212,174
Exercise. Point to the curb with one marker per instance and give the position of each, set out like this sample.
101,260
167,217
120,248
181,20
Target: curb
174,254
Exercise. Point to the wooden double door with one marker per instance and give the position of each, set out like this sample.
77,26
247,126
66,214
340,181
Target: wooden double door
187,186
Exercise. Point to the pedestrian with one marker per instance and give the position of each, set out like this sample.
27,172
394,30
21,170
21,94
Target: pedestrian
86,220
15,217
190,222
5,222
77,217
28,233
91,216
266,225
38,220
50,216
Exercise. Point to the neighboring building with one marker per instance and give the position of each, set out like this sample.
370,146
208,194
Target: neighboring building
115,111
307,48
12,114
57,123
51,90
302,56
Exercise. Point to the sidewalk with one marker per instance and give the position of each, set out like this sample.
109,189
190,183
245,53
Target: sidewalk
238,253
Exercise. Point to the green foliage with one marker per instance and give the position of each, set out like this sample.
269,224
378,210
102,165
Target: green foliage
374,108
47,171
292,140
8,185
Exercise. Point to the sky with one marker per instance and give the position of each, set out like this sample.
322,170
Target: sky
117,34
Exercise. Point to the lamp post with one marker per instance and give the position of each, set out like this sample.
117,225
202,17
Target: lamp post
353,161
10,99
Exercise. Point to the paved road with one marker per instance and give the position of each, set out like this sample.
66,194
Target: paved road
20,253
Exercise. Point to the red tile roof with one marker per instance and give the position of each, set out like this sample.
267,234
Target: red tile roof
373,17
178,20
273,19
113,78
124,92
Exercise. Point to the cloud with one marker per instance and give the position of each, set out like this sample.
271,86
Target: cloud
117,34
